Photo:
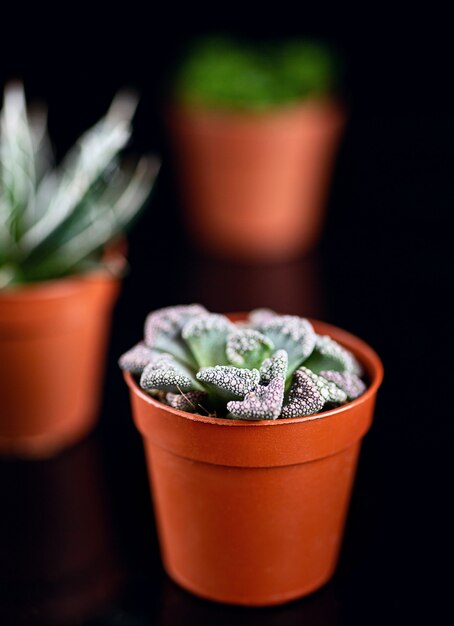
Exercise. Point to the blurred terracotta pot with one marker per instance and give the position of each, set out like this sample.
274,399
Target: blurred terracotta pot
253,512
254,185
52,347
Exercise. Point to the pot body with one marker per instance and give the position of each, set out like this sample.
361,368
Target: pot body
254,185
52,348
253,512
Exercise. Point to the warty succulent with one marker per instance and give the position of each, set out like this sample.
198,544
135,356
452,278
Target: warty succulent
266,367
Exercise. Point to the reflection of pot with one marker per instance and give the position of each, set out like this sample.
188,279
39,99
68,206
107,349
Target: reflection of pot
253,512
254,185
52,347
57,555
295,287
176,606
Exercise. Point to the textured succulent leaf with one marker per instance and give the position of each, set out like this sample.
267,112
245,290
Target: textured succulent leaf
206,335
350,383
330,355
167,374
228,381
191,401
137,358
293,334
163,330
262,403
330,392
268,391
274,367
247,347
304,398
258,317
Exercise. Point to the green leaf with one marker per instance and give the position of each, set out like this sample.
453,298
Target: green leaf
330,355
247,347
206,336
293,334
163,330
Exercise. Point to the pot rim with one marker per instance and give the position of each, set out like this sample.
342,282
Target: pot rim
66,285
367,357
332,106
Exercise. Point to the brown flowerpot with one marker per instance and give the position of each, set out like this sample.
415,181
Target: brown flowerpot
52,347
254,185
253,512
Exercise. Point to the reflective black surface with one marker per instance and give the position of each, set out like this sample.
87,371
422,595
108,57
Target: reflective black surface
77,537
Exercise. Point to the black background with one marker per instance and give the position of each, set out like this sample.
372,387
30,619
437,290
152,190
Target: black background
80,528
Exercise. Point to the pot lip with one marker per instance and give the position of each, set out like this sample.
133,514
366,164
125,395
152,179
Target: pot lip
330,104
66,285
367,356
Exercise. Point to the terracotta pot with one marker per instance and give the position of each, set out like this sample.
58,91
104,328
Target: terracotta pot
254,185
52,347
253,512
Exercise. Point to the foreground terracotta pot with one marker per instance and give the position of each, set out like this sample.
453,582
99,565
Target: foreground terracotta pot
52,347
254,185
253,512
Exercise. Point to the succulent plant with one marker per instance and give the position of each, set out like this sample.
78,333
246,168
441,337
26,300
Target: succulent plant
57,220
267,367
219,72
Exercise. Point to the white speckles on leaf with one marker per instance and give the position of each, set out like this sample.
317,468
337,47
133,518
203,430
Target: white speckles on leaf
293,334
330,355
247,347
163,329
137,358
258,317
304,398
274,367
328,390
169,320
206,336
167,374
236,381
350,383
263,403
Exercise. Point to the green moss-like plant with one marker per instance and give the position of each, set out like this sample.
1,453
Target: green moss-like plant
57,220
259,369
222,73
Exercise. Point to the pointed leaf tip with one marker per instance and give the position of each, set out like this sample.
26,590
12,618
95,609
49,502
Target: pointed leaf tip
236,381
263,403
350,383
304,398
274,367
247,347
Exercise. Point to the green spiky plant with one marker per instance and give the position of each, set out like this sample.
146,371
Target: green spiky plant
223,73
268,367
58,220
